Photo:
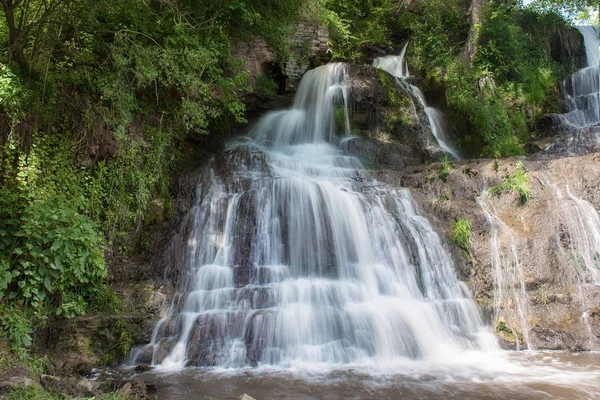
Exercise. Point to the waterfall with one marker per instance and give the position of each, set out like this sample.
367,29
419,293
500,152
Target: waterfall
590,37
511,303
578,244
398,67
580,93
295,255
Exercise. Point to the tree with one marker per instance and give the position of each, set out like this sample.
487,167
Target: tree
475,11
24,18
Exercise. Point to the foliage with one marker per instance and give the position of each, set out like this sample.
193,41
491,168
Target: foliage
569,7
266,86
438,32
444,169
123,338
96,101
493,102
462,235
515,182
354,23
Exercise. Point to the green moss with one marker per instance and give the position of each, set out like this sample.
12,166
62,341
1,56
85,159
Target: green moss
505,332
105,300
123,339
107,359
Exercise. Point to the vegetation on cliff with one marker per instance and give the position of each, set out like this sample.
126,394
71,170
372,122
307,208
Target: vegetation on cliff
493,89
96,99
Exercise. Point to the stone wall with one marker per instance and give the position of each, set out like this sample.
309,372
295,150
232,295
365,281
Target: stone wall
308,42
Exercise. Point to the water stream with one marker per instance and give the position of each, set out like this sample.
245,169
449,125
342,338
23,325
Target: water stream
398,67
580,93
510,297
578,246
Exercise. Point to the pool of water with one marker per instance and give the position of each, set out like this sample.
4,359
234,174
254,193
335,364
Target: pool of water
503,375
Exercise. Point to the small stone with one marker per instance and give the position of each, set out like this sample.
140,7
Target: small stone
125,390
246,397
143,368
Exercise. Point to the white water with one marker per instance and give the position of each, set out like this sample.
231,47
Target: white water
590,36
297,258
398,67
578,247
511,302
581,91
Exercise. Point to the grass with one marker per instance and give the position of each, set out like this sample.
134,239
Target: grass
444,169
462,235
517,182
36,393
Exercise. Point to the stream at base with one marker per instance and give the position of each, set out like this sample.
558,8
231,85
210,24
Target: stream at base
503,375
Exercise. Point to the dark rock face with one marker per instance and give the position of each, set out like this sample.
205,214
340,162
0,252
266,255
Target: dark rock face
388,119
375,153
574,142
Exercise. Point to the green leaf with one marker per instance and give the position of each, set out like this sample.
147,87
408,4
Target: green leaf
58,263
48,285
26,340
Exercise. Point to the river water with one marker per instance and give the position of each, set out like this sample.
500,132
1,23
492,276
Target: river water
503,375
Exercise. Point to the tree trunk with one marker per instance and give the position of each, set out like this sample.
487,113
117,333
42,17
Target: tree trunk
15,40
470,48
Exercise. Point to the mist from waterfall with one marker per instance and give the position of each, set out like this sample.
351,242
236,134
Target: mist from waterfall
295,255
398,67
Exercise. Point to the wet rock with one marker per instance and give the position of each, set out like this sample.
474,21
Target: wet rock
136,389
388,117
78,344
16,377
553,293
246,397
378,154
72,387
143,368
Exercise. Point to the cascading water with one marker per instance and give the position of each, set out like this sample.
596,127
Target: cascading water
581,91
578,244
398,67
297,256
511,303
